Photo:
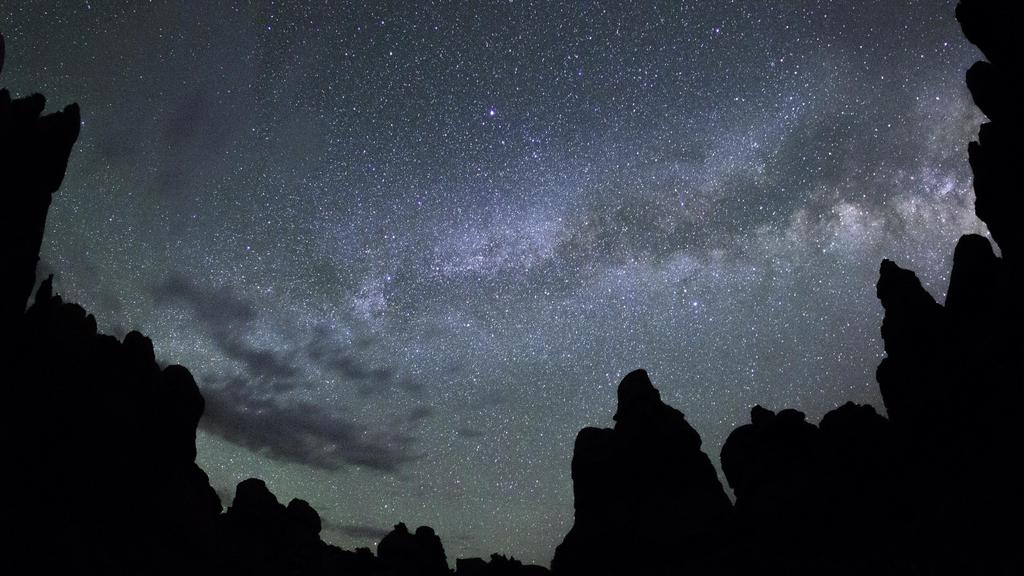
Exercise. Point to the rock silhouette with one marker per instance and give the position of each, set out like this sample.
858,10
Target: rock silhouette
931,488
647,499
108,469
34,151
117,437
953,377
499,565
828,487
997,88
420,554
259,535
918,492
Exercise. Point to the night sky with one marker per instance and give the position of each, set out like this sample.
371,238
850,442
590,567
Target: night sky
409,251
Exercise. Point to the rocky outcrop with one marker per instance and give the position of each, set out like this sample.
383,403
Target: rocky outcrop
647,499
34,151
499,565
953,375
111,451
997,86
101,439
829,487
952,383
418,554
913,331
259,535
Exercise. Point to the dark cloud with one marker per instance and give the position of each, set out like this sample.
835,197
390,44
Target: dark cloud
225,316
214,308
253,409
342,360
335,359
419,413
469,432
357,530
303,432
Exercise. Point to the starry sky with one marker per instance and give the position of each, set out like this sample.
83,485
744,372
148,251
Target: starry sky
409,249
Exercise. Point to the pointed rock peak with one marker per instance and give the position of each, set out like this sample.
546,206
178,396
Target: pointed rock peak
635,390
899,286
889,271
401,528
760,416
45,291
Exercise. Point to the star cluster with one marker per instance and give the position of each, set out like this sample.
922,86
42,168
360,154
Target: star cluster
409,251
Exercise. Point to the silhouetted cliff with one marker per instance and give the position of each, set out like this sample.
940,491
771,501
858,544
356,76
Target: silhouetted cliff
34,150
109,468
102,470
953,375
997,86
932,485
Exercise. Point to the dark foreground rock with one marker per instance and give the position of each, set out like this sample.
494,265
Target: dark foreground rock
647,499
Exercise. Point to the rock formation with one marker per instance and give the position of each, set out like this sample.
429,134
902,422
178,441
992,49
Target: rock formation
259,535
953,377
101,440
498,566
418,554
647,499
997,86
828,487
34,151
921,492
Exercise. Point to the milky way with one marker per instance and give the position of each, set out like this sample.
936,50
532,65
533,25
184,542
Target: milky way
409,252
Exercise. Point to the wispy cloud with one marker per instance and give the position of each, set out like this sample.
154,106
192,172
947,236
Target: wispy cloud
257,408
